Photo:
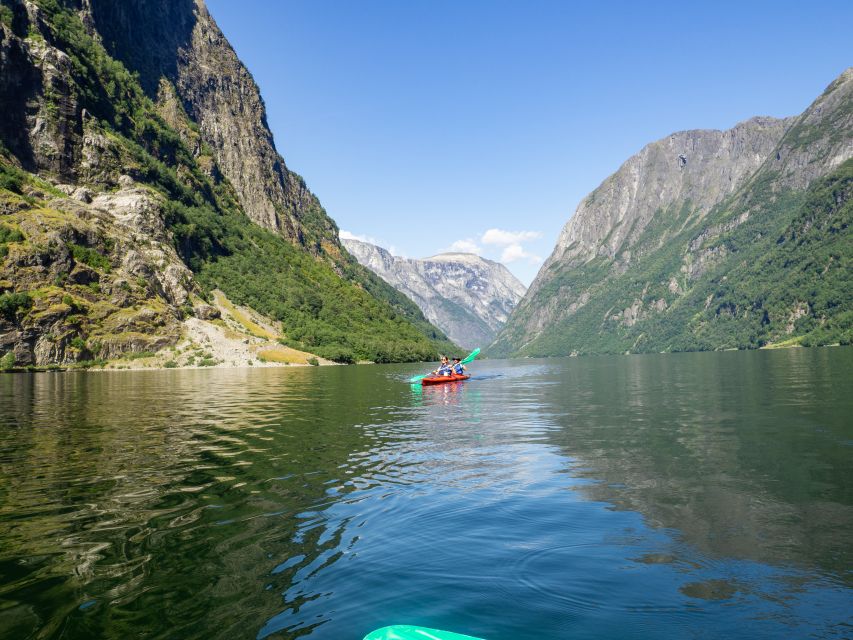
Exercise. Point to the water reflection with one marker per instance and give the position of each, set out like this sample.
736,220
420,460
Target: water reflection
624,497
745,457
169,488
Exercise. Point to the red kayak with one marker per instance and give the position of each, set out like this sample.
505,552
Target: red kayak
442,379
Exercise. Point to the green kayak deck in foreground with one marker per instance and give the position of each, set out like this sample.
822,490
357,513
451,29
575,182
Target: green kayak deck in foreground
409,632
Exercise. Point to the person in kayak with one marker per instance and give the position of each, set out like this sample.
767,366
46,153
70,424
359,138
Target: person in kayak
458,367
444,368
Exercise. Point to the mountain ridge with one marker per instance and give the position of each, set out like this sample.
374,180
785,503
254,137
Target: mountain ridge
467,296
621,267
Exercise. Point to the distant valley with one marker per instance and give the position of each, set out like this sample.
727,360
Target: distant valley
145,209
466,296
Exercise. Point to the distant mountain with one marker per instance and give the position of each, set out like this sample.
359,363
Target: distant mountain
466,296
707,240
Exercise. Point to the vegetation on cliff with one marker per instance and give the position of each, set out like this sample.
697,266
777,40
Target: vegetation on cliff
332,307
783,276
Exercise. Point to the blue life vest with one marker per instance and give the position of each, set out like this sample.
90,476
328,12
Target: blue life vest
445,370
458,370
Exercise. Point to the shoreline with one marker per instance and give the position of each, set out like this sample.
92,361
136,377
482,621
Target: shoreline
126,366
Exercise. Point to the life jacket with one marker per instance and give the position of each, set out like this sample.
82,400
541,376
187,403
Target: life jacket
458,370
445,370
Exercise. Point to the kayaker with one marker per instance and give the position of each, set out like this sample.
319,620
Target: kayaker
444,368
458,367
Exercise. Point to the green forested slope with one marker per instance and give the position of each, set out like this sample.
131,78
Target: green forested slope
328,304
783,275
791,285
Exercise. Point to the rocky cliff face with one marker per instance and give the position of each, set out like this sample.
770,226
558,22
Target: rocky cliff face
468,297
178,40
669,224
683,175
696,169
135,157
43,121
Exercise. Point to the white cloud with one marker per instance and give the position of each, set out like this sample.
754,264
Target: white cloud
515,252
465,246
512,243
347,235
503,238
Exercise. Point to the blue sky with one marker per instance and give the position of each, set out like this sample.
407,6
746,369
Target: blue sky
424,125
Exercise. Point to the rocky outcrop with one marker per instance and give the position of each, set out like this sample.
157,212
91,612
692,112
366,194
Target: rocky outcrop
178,40
669,224
468,297
101,278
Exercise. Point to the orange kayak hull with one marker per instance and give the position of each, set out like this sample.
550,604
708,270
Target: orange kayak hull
443,379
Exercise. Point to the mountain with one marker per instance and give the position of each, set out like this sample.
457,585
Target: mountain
468,297
138,175
706,240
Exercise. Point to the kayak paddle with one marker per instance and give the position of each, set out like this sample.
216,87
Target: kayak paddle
471,356
467,359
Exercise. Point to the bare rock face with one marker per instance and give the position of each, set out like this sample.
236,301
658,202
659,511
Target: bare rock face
696,169
178,40
104,269
207,312
42,121
466,296
137,217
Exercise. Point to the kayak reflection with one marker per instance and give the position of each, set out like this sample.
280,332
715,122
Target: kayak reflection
448,393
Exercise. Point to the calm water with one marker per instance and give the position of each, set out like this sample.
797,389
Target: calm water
671,496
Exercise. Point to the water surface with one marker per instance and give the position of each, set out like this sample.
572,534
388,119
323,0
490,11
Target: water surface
662,496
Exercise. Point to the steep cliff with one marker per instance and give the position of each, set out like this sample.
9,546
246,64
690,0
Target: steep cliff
137,174
468,297
647,262
696,168
178,40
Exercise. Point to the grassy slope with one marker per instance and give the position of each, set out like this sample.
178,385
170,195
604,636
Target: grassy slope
349,317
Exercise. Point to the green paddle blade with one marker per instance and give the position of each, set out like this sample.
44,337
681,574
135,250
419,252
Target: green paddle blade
471,356
467,359
409,632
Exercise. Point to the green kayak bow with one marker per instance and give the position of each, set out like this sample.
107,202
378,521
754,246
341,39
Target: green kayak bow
409,632
467,359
